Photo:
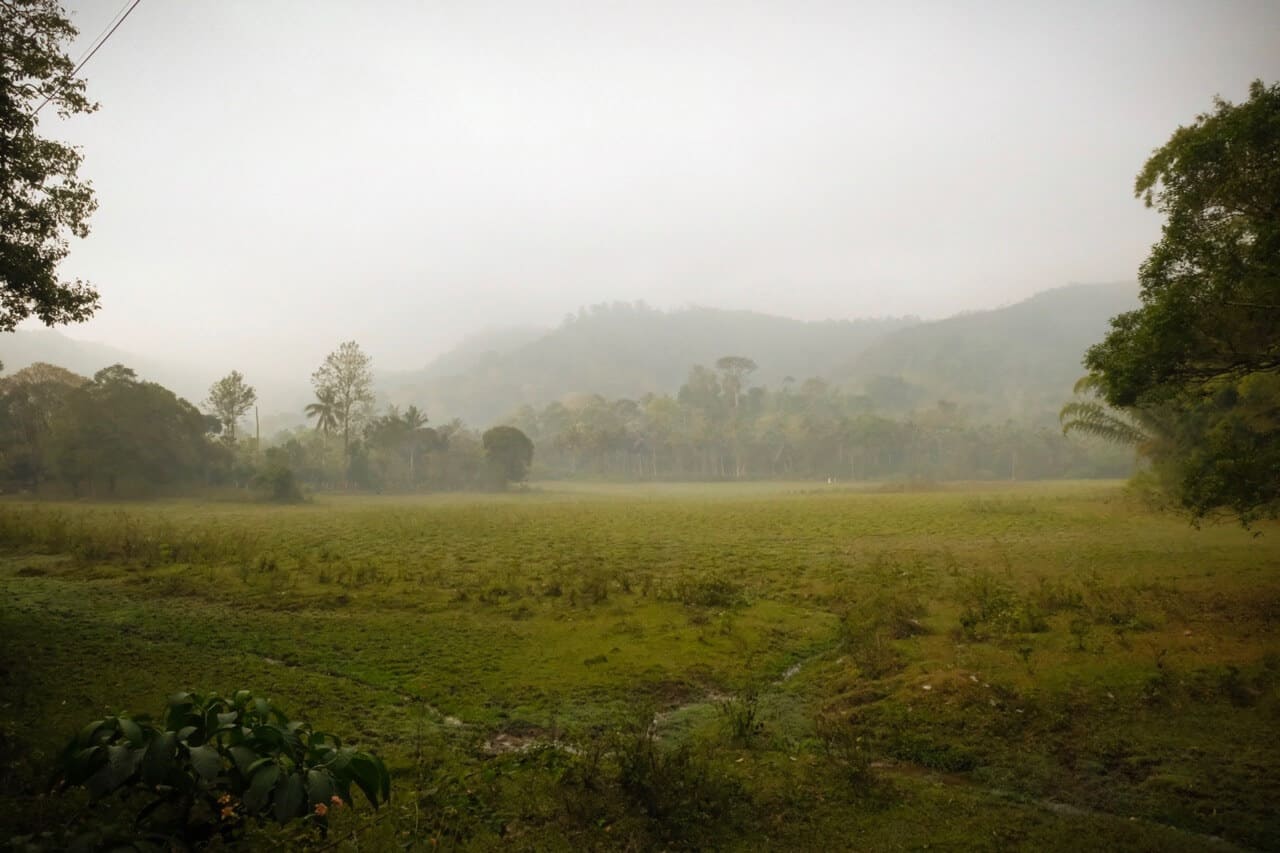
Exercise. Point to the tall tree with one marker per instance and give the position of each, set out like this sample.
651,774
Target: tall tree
347,375
1207,337
30,402
415,422
42,199
1211,285
229,399
735,369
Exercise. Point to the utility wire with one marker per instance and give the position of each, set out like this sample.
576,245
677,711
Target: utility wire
95,49
84,54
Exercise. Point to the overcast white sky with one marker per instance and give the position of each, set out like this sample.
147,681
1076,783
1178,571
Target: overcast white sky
275,177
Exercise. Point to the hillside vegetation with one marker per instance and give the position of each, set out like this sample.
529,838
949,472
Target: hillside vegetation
1017,362
626,350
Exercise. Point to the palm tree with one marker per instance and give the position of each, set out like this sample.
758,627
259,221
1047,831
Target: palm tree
1140,428
324,410
414,420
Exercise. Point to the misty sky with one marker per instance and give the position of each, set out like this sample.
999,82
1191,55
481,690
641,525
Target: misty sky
275,177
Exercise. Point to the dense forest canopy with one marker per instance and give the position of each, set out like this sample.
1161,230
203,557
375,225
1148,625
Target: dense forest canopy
1202,353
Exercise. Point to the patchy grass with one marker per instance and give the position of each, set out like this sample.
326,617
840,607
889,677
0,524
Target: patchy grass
761,666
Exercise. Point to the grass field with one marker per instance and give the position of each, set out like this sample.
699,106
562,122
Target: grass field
1038,666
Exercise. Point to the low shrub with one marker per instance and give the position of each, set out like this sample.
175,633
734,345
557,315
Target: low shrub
213,764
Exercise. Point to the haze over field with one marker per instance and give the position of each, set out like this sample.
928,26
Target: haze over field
639,426
276,177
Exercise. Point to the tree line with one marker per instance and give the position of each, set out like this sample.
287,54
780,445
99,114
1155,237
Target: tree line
117,435
1191,378
719,427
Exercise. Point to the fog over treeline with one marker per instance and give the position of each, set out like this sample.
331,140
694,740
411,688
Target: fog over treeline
276,177
407,229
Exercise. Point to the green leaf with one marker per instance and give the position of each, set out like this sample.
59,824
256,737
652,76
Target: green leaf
290,798
245,758
87,733
386,779
82,763
158,758
206,760
122,760
119,766
320,738
269,736
319,787
255,798
368,777
131,730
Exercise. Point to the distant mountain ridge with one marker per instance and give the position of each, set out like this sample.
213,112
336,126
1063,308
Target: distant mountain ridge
1015,362
27,346
627,350
1018,361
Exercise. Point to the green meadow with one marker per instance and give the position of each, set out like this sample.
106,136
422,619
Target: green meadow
763,666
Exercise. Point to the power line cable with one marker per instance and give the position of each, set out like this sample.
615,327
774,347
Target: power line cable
95,49
84,54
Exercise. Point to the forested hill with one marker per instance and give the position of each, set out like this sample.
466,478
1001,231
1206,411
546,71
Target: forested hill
1015,362
626,350
27,346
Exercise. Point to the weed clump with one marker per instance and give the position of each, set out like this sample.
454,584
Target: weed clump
991,607
845,748
892,611
707,591
741,715
676,787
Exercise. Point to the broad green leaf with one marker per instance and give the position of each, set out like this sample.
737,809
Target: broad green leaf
386,779
319,738
261,762
290,798
206,760
269,736
83,763
122,760
244,757
86,734
368,777
256,797
158,758
131,730
319,786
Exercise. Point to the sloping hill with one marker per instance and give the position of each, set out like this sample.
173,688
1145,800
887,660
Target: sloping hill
1014,362
626,350
26,346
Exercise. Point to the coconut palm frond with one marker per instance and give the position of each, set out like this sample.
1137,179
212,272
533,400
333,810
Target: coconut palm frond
1092,419
325,411
1090,383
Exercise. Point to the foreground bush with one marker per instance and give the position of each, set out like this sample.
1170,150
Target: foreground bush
215,764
